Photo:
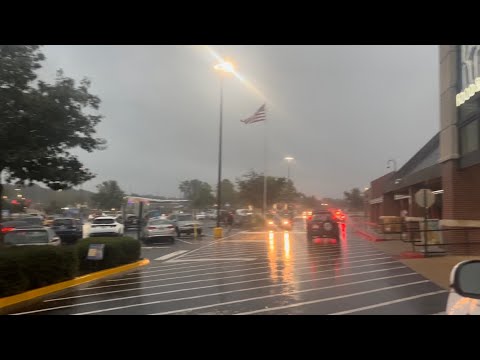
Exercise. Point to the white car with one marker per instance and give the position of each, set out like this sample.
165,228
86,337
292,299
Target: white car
105,226
201,216
464,297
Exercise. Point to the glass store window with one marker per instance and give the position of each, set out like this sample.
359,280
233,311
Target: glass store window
469,137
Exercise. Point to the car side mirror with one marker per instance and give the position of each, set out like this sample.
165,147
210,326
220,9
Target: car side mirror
466,279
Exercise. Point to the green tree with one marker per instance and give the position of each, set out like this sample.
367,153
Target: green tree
229,194
198,192
250,189
109,195
354,199
309,202
41,122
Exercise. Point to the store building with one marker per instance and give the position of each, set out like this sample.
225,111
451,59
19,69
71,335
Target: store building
449,163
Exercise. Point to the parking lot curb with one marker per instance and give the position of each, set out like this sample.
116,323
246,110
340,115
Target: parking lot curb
368,236
7,302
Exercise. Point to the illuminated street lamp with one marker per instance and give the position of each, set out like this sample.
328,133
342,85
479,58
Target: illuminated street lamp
224,68
289,159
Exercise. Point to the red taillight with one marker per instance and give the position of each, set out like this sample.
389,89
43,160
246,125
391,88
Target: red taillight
309,218
170,227
151,228
7,229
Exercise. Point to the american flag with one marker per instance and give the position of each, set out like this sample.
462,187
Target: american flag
260,115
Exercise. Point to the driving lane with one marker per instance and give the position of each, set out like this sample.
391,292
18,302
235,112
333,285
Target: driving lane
259,273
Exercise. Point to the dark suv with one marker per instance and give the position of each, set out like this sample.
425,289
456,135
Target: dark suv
68,229
322,224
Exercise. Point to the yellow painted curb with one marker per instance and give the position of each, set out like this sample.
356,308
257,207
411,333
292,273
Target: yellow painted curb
32,294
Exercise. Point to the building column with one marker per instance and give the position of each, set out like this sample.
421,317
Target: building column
390,207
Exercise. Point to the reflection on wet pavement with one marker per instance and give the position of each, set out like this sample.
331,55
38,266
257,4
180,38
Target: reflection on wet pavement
275,272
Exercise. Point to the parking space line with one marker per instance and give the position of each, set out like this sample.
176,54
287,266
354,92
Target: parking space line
209,259
262,252
289,293
242,268
171,255
202,287
330,298
235,301
184,241
389,302
280,247
214,267
195,281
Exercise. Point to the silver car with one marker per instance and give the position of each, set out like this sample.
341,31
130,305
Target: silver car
158,228
32,236
186,224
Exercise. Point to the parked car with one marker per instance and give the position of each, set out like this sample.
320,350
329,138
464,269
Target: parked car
158,229
185,224
201,216
8,226
68,229
105,226
33,220
131,222
31,236
322,224
464,297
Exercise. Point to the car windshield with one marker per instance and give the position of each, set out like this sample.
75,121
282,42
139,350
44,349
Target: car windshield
184,217
33,221
366,159
63,222
104,221
321,216
24,237
13,224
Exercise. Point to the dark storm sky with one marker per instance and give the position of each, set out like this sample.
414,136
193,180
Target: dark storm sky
340,111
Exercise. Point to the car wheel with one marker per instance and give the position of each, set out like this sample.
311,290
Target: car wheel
172,239
199,232
178,232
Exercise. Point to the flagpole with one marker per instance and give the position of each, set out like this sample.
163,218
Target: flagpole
265,167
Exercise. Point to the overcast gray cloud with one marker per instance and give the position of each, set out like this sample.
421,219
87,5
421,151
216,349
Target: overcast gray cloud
341,111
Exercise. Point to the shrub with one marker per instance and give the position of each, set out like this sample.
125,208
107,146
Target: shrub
25,268
117,251
30,267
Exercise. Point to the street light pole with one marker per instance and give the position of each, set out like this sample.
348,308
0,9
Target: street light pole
224,67
289,159
219,180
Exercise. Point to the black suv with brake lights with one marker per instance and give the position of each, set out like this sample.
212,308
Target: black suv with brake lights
322,224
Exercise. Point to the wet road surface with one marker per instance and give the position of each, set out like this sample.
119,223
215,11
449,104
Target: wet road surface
258,273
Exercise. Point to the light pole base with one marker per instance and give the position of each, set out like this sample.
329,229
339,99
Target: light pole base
217,232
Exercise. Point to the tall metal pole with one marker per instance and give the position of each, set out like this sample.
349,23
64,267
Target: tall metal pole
219,182
265,169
